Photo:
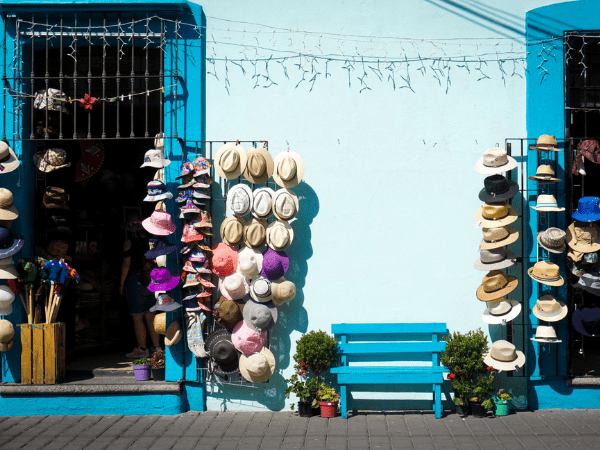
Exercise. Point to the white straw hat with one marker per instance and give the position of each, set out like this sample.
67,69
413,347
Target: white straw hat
495,161
7,270
280,235
239,199
546,334
230,161
6,299
547,202
155,158
501,311
262,203
504,356
285,204
549,309
259,367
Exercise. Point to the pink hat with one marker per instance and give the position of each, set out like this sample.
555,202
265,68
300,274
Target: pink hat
190,234
247,340
224,260
159,223
234,286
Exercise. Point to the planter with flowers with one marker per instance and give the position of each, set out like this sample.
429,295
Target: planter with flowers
141,369
157,363
327,399
304,387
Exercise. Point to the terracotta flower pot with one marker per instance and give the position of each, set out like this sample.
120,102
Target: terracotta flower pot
328,409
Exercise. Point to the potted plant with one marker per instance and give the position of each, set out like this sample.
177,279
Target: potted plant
157,364
481,400
318,351
501,400
304,387
141,369
327,399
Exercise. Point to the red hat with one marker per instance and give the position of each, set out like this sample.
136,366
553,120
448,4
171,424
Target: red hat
224,260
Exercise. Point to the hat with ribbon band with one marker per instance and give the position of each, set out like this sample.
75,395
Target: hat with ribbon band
547,273
230,161
547,202
552,239
546,142
545,173
495,285
491,215
498,237
493,259
549,309
546,334
289,169
497,188
8,158
259,165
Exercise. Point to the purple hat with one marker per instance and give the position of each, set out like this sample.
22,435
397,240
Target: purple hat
159,247
247,340
587,321
162,280
275,264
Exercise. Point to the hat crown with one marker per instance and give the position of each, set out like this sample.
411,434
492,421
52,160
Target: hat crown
227,309
6,295
261,288
263,201
284,291
257,365
4,152
160,219
239,200
503,351
495,185
546,141
260,317
494,211
233,282
546,200
588,205
545,171
499,307
494,281
6,198
286,169
495,234
164,299
492,256
545,332
160,275
224,352
255,234
285,205
547,305
279,235
553,237
6,237
229,160
546,270
495,157
256,164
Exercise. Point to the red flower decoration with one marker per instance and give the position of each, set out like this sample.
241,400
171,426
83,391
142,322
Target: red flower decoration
88,102
490,368
451,376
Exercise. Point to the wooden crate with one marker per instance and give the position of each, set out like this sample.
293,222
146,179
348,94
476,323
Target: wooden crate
42,353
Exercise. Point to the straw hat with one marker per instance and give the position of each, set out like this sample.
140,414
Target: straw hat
545,172
8,158
583,238
493,259
233,287
552,239
246,340
285,204
224,358
546,143
587,209
501,311
8,211
504,356
280,235
547,202
259,165
283,291
255,233
587,321
239,199
260,290
546,272
232,230
230,161
495,285
545,334
497,188
7,331
491,215
275,264
50,160
289,169
549,309
173,335
495,161
260,316
498,237
160,323
250,263
6,299
224,260
228,313
262,203
259,367
155,158
7,270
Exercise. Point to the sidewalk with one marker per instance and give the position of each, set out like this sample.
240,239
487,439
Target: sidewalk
548,429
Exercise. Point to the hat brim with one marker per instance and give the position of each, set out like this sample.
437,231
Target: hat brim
7,311
211,340
154,198
45,167
545,281
512,190
153,229
11,163
239,168
561,314
548,208
155,253
505,366
168,307
299,170
545,149
560,249
512,237
497,320
544,179
290,230
509,261
580,247
295,199
173,335
485,170
590,217
546,341
8,272
156,164
512,284
511,217
9,213
262,377
15,247
268,169
8,346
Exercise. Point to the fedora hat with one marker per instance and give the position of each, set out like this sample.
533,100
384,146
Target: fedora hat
259,367
8,211
255,233
239,199
262,203
159,223
584,238
496,284
260,290
501,311
233,287
259,165
280,235
7,331
164,302
589,282
6,299
546,272
155,158
50,160
285,204
545,172
545,334
493,259
224,358
495,161
549,309
283,291
289,169
156,190
546,142
230,161
587,321
498,237
497,188
7,270
160,323
224,260
260,316
546,202
8,158
246,340
250,263
228,313
504,356
173,334
552,239
587,209
232,230
275,264
491,215
10,243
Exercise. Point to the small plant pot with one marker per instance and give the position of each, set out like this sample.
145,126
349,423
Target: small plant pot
477,410
463,410
328,409
141,373
158,374
501,407
305,409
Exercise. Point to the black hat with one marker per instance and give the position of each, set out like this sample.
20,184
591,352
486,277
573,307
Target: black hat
224,358
497,188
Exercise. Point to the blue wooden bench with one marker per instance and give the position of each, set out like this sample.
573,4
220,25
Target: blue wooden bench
403,343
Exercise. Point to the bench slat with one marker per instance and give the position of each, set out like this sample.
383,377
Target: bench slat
388,328
390,378
388,369
373,348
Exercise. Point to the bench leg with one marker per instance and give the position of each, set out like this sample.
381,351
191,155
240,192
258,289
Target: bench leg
437,400
343,402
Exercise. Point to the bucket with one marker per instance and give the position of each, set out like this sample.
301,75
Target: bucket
501,407
305,409
328,409
142,373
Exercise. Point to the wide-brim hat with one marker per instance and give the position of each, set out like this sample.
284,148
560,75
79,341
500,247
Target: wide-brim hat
583,238
255,233
259,367
224,358
504,356
234,286
280,235
232,230
545,334
506,214
283,291
228,313
162,280
159,247
230,161
501,311
498,237
496,284
494,259
545,172
260,316
173,335
239,199
289,169
549,309
552,239
164,302
250,262
546,142
92,156
8,158
224,260
259,165
547,273
159,223
587,209
7,270
50,160
495,161
10,243
8,211
285,204
589,282
587,321
246,340
155,157
497,188
547,203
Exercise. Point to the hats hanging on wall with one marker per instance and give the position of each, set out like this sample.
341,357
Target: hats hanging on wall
258,367
8,158
501,311
545,173
552,239
155,158
259,165
498,237
495,161
504,356
495,258
224,358
492,215
230,161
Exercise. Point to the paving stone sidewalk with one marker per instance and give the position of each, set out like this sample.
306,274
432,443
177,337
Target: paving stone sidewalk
548,429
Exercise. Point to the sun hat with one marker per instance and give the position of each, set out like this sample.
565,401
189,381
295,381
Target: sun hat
10,243
493,259
191,279
280,235
496,284
188,208
498,237
164,302
53,198
545,334
587,209
233,287
50,160
224,358
162,280
8,158
546,202
189,267
187,168
197,255
239,199
158,247
283,291
497,188
230,161
501,311
546,142
545,172
262,203
224,260
549,309
259,165
495,161
191,234
589,282
7,270
546,272
232,230
155,158
583,238
249,262
228,313
504,356
552,239
260,290
289,169
259,367
157,191
491,215
7,331
587,321
6,299
205,220
260,316
173,335
275,264
246,340
200,193
201,166
255,233
285,204
8,211
159,223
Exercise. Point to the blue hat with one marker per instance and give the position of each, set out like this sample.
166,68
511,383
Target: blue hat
159,247
157,191
587,321
587,209
10,243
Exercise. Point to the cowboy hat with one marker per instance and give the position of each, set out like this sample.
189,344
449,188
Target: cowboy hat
490,215
232,230
587,321
289,169
280,235
552,239
546,143
545,334
285,204
8,158
587,209
255,233
250,263
546,272
50,160
496,284
230,161
54,198
173,335
262,203
493,259
498,237
239,199
547,202
504,356
224,358
259,165
495,161
497,188
259,367
544,172
583,238
501,311
549,309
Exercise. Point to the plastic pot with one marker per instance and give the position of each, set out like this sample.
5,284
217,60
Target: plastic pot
328,409
477,410
158,374
305,409
141,373
501,407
